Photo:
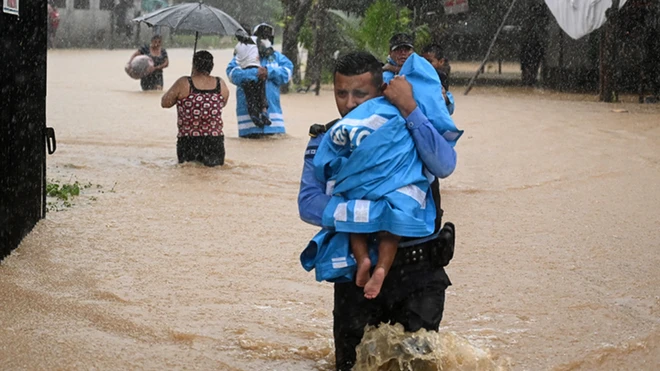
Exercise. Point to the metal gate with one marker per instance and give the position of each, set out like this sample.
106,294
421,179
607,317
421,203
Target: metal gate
23,33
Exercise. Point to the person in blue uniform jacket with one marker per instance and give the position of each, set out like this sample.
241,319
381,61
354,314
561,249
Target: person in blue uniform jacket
276,70
413,293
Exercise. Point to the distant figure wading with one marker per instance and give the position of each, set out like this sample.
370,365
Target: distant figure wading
275,70
158,54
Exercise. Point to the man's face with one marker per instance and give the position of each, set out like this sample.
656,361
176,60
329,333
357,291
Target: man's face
351,91
400,54
435,62
155,43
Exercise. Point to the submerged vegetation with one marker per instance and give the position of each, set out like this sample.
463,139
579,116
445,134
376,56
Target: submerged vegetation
60,196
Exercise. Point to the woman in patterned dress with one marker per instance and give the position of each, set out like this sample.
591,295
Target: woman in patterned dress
200,99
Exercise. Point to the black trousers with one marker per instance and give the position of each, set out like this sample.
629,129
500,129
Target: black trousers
412,295
150,82
255,96
208,150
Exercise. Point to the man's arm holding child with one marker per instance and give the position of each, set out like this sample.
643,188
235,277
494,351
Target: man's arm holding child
280,74
435,152
237,75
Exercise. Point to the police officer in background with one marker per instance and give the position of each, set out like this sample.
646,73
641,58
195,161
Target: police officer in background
413,292
401,48
276,71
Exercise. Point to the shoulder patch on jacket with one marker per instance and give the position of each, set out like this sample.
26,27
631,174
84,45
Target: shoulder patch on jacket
317,129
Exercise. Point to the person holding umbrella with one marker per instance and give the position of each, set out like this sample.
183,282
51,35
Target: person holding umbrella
276,71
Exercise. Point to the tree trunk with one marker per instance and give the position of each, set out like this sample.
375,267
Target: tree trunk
315,64
534,39
296,12
608,65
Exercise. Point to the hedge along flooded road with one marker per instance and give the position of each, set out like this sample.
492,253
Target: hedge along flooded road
172,266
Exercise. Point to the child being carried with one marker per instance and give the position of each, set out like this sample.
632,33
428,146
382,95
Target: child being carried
248,53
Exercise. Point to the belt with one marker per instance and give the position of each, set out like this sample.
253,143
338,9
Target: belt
419,241
414,254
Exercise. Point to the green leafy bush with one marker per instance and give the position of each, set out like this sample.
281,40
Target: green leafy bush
61,194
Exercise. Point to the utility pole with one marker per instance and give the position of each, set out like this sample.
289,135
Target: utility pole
608,53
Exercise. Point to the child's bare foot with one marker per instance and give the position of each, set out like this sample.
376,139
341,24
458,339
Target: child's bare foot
362,274
375,283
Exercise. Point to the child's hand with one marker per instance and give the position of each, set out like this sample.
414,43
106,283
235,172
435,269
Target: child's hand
391,68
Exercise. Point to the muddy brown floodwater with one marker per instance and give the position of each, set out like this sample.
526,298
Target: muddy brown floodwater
165,266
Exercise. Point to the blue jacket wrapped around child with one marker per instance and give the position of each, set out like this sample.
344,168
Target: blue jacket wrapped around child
369,158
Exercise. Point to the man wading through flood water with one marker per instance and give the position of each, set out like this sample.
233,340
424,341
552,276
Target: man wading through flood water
413,292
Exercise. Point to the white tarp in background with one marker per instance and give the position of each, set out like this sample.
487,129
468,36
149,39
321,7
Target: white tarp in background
580,17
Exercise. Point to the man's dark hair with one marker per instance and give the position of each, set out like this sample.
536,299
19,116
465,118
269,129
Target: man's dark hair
434,49
243,36
203,61
438,53
357,63
156,37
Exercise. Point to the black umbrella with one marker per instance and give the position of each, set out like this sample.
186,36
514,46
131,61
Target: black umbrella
197,17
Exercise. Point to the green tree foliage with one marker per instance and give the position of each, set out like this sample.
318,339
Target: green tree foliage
352,7
293,20
342,31
372,32
382,20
